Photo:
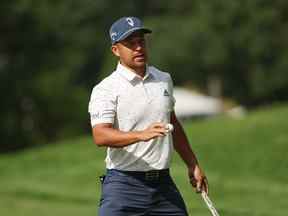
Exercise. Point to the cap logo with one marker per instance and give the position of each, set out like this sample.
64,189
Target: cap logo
130,21
113,35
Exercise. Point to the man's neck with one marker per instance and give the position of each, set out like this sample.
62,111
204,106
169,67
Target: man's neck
140,71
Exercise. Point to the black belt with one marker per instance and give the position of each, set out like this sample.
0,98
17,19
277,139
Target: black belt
150,175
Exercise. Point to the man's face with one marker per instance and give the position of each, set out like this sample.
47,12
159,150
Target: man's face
132,50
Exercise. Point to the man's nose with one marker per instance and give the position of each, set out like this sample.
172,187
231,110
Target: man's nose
139,46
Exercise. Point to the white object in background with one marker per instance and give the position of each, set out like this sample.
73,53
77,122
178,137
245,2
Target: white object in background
209,203
169,128
191,104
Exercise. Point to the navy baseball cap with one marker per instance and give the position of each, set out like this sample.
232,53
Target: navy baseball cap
124,27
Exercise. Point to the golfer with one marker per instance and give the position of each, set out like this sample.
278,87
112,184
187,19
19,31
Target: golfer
129,112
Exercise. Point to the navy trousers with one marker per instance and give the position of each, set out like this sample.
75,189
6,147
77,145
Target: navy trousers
134,193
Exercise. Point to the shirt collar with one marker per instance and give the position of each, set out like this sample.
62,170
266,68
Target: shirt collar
130,75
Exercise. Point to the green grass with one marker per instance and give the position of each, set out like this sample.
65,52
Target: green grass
244,159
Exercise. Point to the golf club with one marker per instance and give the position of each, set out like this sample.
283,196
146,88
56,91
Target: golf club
209,203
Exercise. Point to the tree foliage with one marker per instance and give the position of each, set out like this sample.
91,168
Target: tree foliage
242,43
53,52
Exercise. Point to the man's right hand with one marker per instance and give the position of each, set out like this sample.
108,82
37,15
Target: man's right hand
153,131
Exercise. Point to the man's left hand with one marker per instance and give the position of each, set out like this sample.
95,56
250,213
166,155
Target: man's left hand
198,179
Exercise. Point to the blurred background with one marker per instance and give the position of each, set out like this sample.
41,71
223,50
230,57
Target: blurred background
228,60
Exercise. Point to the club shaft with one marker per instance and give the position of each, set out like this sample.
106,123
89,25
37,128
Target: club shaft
209,204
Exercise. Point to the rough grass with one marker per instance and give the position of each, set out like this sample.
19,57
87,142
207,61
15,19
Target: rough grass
245,161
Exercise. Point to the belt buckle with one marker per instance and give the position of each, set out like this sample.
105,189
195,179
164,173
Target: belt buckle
152,175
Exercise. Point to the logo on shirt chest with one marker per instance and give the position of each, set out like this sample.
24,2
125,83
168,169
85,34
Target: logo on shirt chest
166,93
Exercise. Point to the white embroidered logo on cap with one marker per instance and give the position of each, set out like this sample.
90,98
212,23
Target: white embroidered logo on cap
113,35
130,21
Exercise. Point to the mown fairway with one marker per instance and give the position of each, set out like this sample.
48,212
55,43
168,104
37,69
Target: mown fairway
245,161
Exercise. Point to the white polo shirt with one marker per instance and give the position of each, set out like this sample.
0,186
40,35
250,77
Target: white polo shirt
132,103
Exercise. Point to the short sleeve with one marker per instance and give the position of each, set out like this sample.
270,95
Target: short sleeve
170,84
102,106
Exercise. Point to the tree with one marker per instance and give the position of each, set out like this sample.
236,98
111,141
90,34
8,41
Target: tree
43,47
241,43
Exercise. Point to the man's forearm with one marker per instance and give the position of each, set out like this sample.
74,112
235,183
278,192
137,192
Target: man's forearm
181,144
111,137
105,135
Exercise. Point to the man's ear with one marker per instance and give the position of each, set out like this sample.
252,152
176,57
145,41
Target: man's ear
115,50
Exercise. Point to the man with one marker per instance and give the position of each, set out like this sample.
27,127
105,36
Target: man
129,110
